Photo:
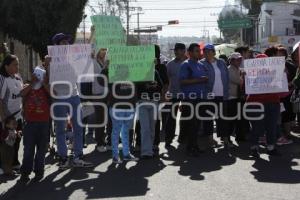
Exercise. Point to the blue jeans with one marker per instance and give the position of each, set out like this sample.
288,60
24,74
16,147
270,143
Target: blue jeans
147,118
62,112
35,137
267,125
120,126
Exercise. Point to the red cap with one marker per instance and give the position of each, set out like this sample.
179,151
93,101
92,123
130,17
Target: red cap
261,56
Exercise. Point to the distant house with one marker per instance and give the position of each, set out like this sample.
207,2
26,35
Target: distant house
279,23
82,37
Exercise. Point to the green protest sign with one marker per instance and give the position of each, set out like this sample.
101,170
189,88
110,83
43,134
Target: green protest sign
131,63
109,31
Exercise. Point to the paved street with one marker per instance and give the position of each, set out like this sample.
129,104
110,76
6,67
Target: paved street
214,175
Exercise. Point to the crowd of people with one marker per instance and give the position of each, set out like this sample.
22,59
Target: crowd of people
195,93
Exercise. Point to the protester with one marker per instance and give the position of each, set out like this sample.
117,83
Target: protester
193,80
61,111
8,137
287,116
100,89
296,81
235,84
244,126
160,124
149,96
244,51
173,68
11,85
266,120
122,109
36,97
224,58
86,95
218,87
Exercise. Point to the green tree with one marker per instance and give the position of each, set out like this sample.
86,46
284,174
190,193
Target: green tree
229,13
34,22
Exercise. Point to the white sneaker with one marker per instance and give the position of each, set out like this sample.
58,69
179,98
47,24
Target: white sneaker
77,162
1,171
102,149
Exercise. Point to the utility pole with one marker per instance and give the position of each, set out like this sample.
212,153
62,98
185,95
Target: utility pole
139,9
241,34
84,16
127,19
138,26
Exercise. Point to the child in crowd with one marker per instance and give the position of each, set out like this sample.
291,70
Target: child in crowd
36,131
8,138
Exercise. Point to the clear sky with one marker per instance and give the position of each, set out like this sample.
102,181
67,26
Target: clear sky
194,16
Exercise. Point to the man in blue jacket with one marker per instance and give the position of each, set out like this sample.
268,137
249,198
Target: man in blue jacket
193,80
218,88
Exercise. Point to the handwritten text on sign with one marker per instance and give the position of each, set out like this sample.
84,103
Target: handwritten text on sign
70,61
109,31
265,75
131,63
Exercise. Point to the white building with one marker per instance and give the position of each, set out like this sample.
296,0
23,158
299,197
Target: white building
279,23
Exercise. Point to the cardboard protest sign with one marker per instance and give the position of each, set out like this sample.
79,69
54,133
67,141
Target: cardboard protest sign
265,75
131,63
109,31
68,62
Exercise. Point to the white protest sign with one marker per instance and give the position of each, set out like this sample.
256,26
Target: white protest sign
68,62
265,75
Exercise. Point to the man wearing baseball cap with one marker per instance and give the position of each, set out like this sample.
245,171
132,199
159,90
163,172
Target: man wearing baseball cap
173,68
235,82
218,87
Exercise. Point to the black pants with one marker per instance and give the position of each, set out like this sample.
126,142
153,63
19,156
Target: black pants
100,115
17,144
288,115
157,133
5,156
233,124
171,121
35,147
190,125
243,126
208,124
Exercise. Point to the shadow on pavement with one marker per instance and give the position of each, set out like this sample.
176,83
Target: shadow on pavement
117,181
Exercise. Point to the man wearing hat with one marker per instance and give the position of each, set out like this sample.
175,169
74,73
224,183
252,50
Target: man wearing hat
61,111
235,81
218,88
173,68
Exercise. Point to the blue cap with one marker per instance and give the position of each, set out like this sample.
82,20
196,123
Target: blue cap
209,47
56,39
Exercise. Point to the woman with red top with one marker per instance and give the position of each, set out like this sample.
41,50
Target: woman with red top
267,123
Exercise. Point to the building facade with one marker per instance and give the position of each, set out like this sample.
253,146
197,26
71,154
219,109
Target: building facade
279,23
